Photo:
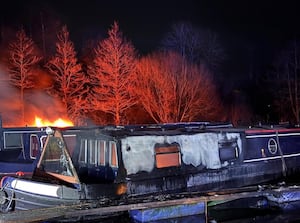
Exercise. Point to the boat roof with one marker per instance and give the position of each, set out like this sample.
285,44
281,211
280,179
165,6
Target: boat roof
177,128
183,128
161,129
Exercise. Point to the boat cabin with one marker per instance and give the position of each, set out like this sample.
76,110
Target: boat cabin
154,158
20,148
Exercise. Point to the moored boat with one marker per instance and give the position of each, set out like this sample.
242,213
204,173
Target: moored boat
116,163
19,149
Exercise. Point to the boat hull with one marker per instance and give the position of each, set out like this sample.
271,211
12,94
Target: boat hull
239,175
27,194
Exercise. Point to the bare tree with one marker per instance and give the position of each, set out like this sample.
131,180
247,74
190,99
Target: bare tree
194,44
293,79
70,82
22,59
172,90
185,40
113,75
212,52
285,82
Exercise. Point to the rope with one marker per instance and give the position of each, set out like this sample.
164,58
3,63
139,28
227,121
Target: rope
9,199
284,168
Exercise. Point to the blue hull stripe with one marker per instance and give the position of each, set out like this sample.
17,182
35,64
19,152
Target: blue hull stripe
272,135
271,158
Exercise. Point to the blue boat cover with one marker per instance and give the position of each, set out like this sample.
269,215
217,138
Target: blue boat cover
159,213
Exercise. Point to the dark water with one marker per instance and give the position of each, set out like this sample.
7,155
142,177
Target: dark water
260,218
235,212
228,216
288,213
247,216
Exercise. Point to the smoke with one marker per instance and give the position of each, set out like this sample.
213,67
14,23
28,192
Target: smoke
9,100
36,103
39,103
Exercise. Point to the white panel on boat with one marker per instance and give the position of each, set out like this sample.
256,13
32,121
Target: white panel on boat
35,187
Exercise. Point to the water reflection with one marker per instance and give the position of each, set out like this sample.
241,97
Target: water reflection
264,218
234,216
255,209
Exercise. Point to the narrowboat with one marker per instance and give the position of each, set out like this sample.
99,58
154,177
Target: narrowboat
110,164
19,149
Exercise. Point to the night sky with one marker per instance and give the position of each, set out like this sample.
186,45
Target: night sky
252,33
261,27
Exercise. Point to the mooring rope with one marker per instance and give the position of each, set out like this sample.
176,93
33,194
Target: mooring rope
283,164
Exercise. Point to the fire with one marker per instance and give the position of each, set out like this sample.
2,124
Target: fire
39,122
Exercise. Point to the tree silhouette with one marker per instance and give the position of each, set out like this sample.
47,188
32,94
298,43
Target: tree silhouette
196,45
113,75
172,90
69,80
285,82
212,51
184,39
22,59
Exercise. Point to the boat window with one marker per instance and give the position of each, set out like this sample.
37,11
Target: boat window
272,146
53,152
55,159
83,151
98,152
113,154
12,140
101,152
43,141
92,152
167,155
70,141
34,146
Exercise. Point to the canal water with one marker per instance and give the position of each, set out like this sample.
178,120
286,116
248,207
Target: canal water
230,216
292,217
238,212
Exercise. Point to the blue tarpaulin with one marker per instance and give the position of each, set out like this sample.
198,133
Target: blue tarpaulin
159,213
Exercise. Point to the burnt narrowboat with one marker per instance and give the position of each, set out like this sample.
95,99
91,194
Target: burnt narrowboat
55,180
191,159
106,163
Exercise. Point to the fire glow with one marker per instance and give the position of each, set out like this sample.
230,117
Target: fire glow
39,122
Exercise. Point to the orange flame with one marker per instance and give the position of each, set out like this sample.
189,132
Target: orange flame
39,122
